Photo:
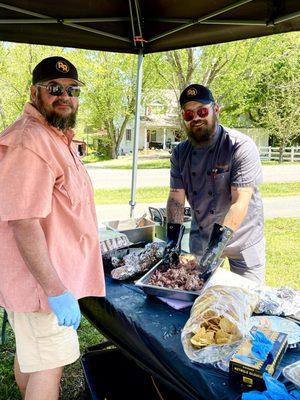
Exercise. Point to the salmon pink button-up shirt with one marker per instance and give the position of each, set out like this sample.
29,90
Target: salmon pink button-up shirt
42,177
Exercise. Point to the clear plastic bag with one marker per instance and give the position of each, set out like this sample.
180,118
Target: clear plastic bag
218,321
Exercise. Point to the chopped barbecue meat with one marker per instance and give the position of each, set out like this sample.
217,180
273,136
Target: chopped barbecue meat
182,276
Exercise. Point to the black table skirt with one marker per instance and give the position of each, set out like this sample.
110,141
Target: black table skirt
148,331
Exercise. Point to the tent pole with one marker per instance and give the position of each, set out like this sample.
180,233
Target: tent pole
136,131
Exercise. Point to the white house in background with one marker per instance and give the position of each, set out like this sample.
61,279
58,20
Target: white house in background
159,126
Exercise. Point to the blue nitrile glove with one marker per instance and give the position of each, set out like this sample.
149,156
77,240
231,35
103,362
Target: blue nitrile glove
254,395
275,391
66,309
261,345
295,394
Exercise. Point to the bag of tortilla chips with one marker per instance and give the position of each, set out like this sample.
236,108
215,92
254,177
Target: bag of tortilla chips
218,321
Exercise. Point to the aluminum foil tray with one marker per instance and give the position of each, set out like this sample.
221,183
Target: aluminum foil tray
159,291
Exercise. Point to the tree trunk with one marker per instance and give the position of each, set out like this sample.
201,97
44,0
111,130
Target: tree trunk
113,152
281,151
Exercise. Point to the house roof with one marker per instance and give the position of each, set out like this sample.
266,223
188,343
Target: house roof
161,121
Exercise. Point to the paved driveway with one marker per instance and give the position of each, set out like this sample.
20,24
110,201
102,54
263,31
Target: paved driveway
114,178
121,178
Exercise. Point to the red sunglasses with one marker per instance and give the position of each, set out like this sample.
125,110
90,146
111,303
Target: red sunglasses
189,115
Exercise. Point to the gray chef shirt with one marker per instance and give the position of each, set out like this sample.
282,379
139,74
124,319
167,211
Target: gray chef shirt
207,174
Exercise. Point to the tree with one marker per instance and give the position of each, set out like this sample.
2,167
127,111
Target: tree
243,76
16,65
175,70
109,96
277,99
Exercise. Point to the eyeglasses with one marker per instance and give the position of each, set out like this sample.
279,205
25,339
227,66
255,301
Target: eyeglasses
189,115
55,89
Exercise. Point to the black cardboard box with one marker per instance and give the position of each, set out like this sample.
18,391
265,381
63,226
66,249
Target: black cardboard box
247,373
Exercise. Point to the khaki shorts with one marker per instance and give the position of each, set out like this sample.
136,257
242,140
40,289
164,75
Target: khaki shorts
41,343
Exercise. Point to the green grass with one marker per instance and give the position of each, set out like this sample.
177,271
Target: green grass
160,194
283,252
283,265
126,163
280,189
91,158
122,196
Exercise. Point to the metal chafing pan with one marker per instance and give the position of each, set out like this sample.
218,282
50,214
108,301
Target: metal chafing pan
136,229
159,291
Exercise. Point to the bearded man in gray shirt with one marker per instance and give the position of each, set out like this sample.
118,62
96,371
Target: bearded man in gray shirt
218,170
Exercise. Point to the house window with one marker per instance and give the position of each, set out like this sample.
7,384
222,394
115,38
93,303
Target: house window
128,134
153,136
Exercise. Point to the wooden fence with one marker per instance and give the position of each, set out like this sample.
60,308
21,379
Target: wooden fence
269,153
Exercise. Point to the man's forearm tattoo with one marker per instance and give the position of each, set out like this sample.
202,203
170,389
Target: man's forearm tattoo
175,211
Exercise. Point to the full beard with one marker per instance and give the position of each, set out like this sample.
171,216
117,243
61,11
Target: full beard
203,135
61,122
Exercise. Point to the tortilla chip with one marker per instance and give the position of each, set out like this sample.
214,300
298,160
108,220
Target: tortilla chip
208,314
226,325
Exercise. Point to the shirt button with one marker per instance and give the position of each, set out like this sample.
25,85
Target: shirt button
210,193
194,192
211,211
194,173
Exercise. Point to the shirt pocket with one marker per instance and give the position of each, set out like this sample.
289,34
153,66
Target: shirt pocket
72,186
221,182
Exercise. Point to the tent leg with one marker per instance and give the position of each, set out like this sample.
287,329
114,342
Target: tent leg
136,132
3,329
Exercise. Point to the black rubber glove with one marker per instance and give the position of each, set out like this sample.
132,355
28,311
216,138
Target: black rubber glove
172,234
173,231
219,238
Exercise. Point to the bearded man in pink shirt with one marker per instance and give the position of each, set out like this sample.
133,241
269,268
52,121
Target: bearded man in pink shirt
49,253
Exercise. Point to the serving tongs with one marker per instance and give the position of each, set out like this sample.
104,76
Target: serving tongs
172,255
208,270
212,257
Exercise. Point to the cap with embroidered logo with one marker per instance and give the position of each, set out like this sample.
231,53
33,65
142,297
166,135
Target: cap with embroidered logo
196,92
54,68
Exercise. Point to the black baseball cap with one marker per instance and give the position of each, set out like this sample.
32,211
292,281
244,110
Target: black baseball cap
53,68
196,92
